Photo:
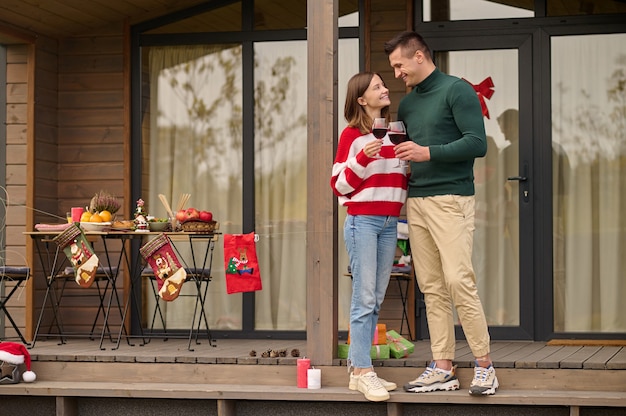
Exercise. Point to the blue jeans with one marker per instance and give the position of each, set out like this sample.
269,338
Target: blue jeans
371,244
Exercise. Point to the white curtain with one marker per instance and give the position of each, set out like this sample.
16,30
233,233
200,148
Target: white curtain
193,145
589,181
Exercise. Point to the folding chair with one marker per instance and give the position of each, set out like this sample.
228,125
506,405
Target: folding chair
16,275
196,275
101,284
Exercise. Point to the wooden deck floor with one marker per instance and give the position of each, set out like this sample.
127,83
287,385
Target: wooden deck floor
513,354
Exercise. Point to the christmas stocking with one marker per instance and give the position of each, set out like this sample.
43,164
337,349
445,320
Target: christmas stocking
169,273
80,254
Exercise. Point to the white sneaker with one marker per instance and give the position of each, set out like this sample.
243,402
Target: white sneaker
370,386
387,385
433,379
485,381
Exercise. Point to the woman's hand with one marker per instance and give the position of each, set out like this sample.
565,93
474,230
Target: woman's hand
372,148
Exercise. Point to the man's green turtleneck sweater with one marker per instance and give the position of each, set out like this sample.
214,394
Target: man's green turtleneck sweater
443,113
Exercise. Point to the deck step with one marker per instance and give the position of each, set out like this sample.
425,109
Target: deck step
538,379
290,393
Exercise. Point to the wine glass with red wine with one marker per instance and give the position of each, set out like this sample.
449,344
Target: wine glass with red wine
379,129
397,135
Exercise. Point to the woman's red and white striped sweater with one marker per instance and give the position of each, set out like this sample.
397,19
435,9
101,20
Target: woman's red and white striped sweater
367,185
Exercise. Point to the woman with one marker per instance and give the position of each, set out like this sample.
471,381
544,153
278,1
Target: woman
368,182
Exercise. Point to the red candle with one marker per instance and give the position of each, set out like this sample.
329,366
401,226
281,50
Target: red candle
303,365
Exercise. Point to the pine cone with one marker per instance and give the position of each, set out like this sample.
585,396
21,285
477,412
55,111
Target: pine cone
295,352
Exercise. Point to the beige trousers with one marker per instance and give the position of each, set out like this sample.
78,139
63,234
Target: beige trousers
441,231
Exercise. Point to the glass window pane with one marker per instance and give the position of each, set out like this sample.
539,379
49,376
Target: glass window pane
446,10
223,19
496,237
280,185
589,182
192,143
574,8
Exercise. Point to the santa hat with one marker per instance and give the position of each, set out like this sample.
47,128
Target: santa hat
15,353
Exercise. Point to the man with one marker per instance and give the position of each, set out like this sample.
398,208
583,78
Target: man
445,123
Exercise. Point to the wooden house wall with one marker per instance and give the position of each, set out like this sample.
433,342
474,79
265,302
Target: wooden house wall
17,91
66,127
92,127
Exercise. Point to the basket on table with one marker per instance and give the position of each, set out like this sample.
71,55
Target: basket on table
199,226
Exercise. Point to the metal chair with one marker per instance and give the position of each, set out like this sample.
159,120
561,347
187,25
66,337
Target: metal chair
18,276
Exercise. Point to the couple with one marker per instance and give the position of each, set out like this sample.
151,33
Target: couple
444,121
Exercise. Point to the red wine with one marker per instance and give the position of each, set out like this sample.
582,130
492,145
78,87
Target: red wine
379,133
397,138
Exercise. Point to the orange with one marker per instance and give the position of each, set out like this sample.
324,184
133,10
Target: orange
105,215
85,217
95,217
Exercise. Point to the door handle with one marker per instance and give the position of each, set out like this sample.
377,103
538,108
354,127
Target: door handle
523,182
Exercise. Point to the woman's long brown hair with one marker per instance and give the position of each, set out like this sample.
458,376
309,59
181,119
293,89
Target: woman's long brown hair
353,111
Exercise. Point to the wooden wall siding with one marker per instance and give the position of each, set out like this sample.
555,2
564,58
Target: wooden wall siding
91,141
387,18
16,162
91,117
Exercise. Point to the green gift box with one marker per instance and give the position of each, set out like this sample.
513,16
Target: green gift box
377,352
399,347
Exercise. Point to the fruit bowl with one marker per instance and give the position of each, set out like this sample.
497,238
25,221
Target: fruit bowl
95,226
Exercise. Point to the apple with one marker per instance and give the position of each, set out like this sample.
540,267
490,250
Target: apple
192,214
206,216
181,216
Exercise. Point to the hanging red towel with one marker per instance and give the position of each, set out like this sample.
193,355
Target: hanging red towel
241,263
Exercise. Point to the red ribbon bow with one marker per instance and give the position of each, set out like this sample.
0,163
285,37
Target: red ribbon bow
483,90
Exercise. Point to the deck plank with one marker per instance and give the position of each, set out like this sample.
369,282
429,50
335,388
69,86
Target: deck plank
531,360
577,359
599,360
510,360
618,361
554,360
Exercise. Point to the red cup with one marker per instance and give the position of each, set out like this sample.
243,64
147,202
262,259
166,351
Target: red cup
77,212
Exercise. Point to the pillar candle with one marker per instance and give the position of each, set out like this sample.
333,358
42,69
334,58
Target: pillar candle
314,378
303,364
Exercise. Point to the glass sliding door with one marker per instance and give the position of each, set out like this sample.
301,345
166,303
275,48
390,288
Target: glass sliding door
503,218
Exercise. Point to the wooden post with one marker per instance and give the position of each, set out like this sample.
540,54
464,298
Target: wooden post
66,406
322,303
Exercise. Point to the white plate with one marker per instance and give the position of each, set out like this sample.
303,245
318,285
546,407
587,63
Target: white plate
95,226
